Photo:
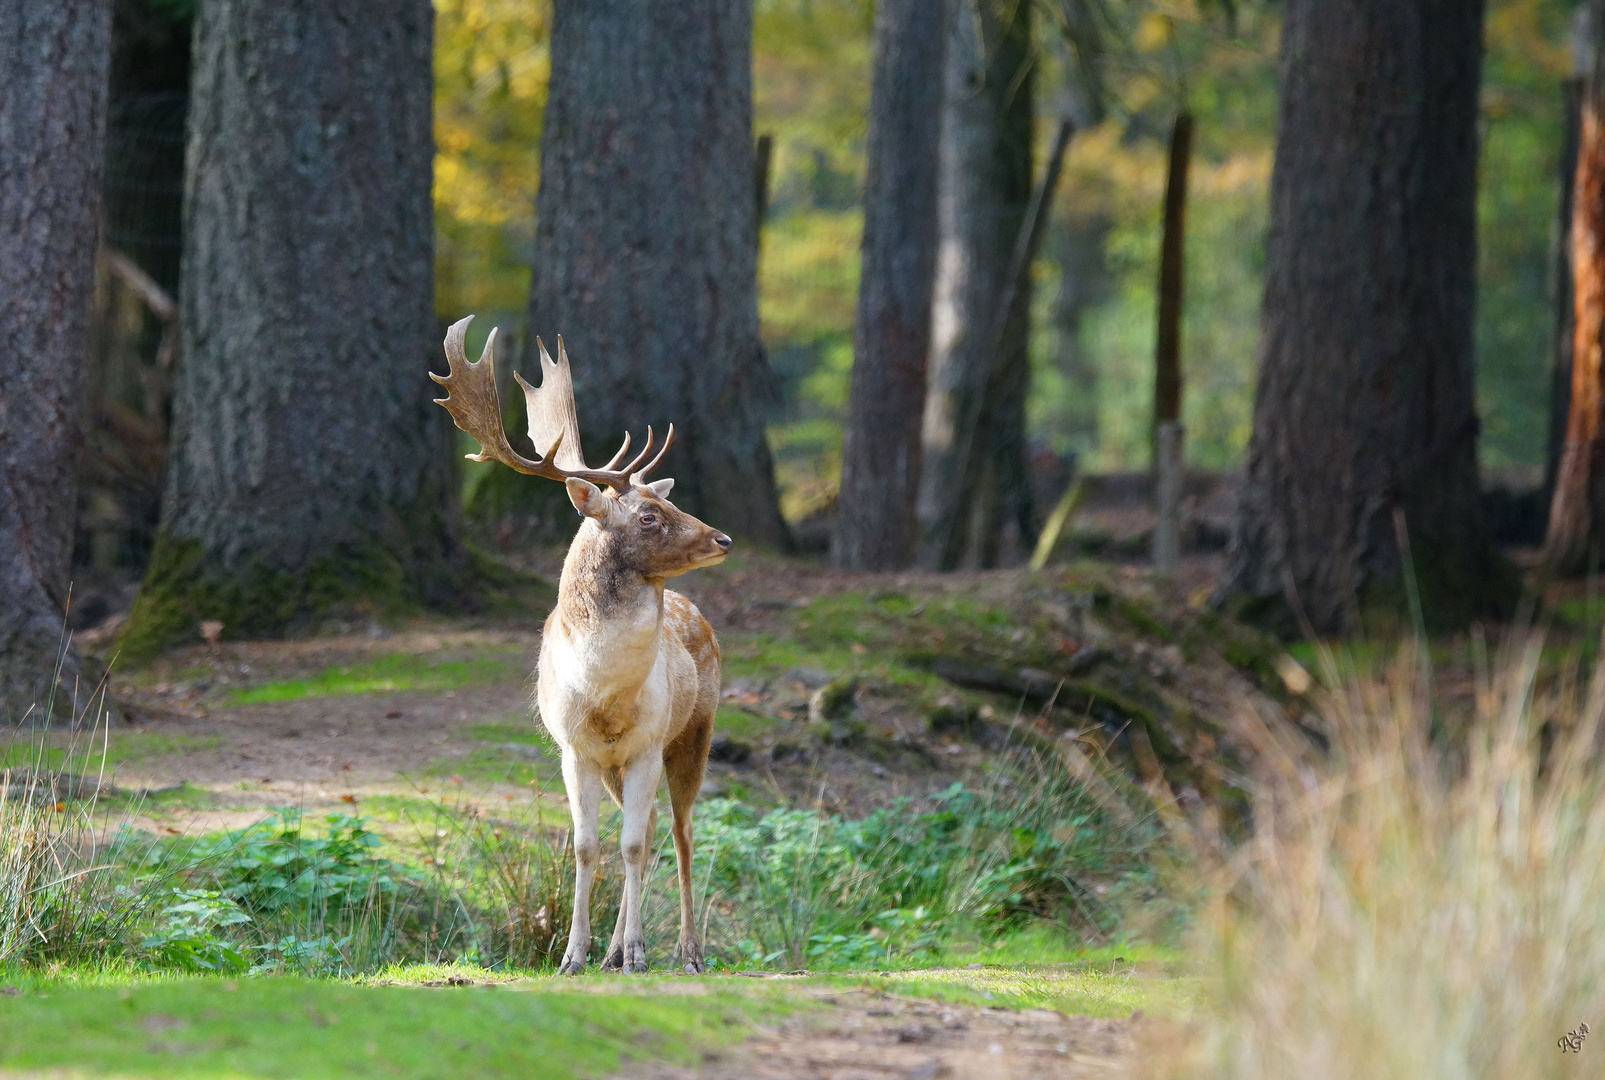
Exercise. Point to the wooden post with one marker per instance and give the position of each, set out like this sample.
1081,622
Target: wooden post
760,182
1167,359
1168,480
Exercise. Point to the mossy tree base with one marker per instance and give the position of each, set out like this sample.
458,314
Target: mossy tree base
184,588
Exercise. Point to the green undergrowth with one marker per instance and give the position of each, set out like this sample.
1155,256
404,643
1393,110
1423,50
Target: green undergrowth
389,674
314,1028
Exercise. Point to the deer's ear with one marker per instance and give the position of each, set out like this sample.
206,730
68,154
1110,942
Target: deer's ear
661,488
586,497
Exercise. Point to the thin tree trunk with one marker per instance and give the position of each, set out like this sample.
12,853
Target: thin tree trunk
985,186
892,333
1364,404
644,252
308,472
1560,376
53,64
1172,263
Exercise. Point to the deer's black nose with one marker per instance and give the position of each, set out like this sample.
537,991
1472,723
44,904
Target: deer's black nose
722,540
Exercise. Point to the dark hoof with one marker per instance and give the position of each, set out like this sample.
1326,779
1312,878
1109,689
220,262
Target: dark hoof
635,958
696,967
571,967
614,961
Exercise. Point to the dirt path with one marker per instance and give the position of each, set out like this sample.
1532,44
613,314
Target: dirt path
873,1036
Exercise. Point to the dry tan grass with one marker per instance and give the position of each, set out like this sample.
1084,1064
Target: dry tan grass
1408,912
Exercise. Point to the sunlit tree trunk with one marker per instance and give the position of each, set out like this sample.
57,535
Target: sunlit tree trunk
1364,416
308,470
973,474
645,259
1577,512
53,63
892,334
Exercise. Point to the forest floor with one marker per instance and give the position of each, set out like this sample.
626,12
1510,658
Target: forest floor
386,721
841,692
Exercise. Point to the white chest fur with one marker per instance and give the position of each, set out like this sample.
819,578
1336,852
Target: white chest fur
603,689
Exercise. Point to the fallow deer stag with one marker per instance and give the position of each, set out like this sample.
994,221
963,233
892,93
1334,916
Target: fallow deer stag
628,679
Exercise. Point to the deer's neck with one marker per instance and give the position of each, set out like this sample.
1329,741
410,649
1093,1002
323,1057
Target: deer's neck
612,616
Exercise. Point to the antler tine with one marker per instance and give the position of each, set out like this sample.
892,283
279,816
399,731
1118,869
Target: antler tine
473,403
668,441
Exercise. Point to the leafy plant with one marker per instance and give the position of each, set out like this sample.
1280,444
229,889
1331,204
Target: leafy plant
189,940
276,864
320,956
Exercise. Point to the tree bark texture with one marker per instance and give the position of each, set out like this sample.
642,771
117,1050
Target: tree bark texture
973,471
645,258
53,64
892,332
1364,403
1577,511
308,466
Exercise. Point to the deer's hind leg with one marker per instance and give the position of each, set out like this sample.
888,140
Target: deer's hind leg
684,761
613,959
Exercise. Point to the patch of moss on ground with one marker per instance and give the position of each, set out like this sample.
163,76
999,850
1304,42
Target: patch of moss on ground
529,733
389,674
742,725
495,766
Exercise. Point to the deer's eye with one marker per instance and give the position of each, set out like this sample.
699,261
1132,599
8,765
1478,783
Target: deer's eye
649,519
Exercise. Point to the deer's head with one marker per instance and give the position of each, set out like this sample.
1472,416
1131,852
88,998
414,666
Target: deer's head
641,529
644,531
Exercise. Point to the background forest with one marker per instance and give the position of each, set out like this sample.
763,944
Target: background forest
1058,733
1092,342
1096,270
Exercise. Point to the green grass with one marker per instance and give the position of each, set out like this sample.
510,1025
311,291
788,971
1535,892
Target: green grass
396,672
310,1028
121,747
527,733
491,766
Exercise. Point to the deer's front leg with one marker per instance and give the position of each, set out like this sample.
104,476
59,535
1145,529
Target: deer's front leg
640,789
584,783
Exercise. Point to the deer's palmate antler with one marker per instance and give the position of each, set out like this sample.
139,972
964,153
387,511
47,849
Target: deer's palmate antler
472,400
628,682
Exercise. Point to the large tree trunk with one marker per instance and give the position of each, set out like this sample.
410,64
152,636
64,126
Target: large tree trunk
1577,510
645,253
973,474
308,471
53,63
892,333
1364,405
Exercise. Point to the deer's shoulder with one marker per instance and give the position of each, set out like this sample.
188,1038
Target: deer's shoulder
685,624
